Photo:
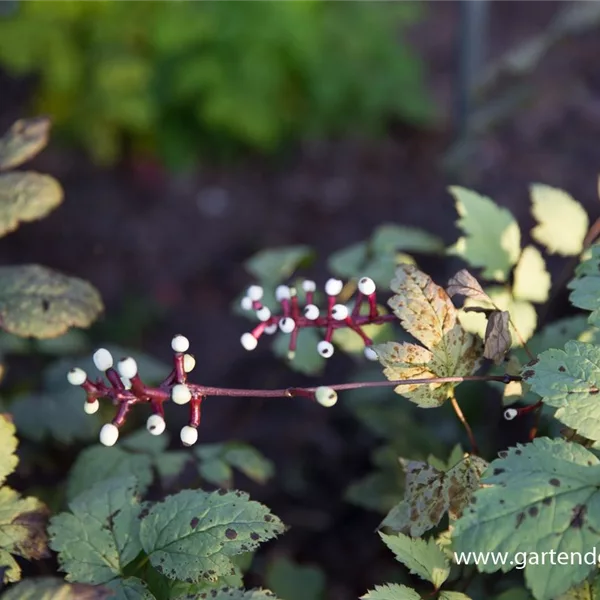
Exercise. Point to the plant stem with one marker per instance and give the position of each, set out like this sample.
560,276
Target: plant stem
463,420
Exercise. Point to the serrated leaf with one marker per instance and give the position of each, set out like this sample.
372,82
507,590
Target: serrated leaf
232,594
556,213
497,336
131,588
39,302
531,279
99,536
540,497
8,443
420,557
99,463
53,588
455,457
294,581
306,358
431,493
391,591
274,265
586,285
191,535
492,237
464,284
25,139
26,196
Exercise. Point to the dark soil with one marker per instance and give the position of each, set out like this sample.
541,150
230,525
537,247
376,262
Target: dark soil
173,247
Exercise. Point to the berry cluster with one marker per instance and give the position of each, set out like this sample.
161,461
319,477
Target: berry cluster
126,389
293,317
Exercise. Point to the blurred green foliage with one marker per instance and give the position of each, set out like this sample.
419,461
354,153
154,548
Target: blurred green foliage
187,79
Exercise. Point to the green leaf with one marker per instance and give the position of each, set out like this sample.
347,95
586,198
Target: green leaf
146,443
431,493
350,261
389,238
26,196
38,302
539,497
455,457
569,380
193,534
444,595
232,594
531,279
53,588
293,581
391,591
588,590
420,557
216,471
557,212
306,359
514,594
249,461
25,139
9,443
586,285
99,537
274,265
492,237
99,463
170,464
130,588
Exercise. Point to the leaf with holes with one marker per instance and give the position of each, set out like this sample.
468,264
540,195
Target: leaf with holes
420,557
39,302
99,536
586,285
540,497
232,594
53,588
25,139
193,534
557,212
26,196
464,284
497,336
431,493
492,237
391,591
569,380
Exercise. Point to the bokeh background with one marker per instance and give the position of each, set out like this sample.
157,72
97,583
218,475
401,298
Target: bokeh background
190,135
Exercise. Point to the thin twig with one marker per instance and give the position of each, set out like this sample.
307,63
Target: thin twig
463,420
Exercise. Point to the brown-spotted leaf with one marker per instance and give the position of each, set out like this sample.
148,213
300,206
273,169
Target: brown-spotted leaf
26,196
431,493
424,308
464,284
457,354
497,336
23,141
39,302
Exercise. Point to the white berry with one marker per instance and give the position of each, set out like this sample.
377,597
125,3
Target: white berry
91,407
189,362
180,343
102,359
333,287
370,354
282,292
246,303
255,293
311,312
189,435
366,286
263,314
287,325
127,368
271,329
325,349
155,424
109,434
249,342
339,312
510,413
76,376
326,396
180,394
309,285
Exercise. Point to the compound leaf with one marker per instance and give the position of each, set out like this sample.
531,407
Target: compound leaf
53,588
531,279
586,285
492,237
391,591
423,558
193,534
23,141
39,302
569,380
99,537
8,440
557,212
540,497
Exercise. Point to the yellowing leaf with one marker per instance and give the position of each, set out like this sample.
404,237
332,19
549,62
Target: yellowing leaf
563,222
532,280
492,237
8,442
23,141
53,588
26,196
